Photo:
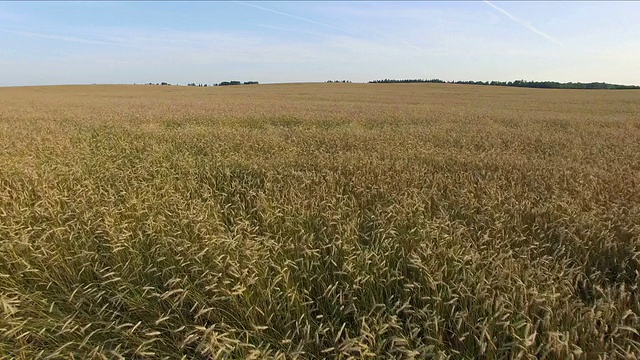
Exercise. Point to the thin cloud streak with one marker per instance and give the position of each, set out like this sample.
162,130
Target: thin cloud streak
63,38
297,17
523,23
323,24
413,46
292,30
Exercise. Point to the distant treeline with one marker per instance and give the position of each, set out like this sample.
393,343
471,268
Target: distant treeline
518,83
224,83
388,81
227,83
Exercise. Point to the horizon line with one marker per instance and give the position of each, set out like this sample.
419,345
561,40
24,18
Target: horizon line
390,81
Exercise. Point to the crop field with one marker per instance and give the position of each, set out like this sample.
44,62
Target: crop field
319,221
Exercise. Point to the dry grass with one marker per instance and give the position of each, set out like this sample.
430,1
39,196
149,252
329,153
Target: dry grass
314,221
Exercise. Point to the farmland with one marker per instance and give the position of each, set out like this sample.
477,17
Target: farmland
319,221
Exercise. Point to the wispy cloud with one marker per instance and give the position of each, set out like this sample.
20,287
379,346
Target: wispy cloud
352,32
278,28
62,38
297,17
525,24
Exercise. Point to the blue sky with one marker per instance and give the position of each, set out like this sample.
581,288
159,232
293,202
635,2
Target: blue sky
77,42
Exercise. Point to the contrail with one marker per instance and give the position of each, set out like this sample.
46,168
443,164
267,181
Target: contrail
530,27
293,30
296,17
321,24
62,38
412,45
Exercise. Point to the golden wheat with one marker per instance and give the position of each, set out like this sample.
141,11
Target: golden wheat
319,221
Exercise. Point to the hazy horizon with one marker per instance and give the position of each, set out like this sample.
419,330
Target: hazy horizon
59,43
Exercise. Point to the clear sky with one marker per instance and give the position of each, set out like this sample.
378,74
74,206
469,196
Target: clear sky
73,42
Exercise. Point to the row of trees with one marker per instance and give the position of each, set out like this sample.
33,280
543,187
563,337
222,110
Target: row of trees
551,84
224,83
227,83
519,83
387,81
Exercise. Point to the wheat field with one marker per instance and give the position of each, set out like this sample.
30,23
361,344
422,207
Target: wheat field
319,221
